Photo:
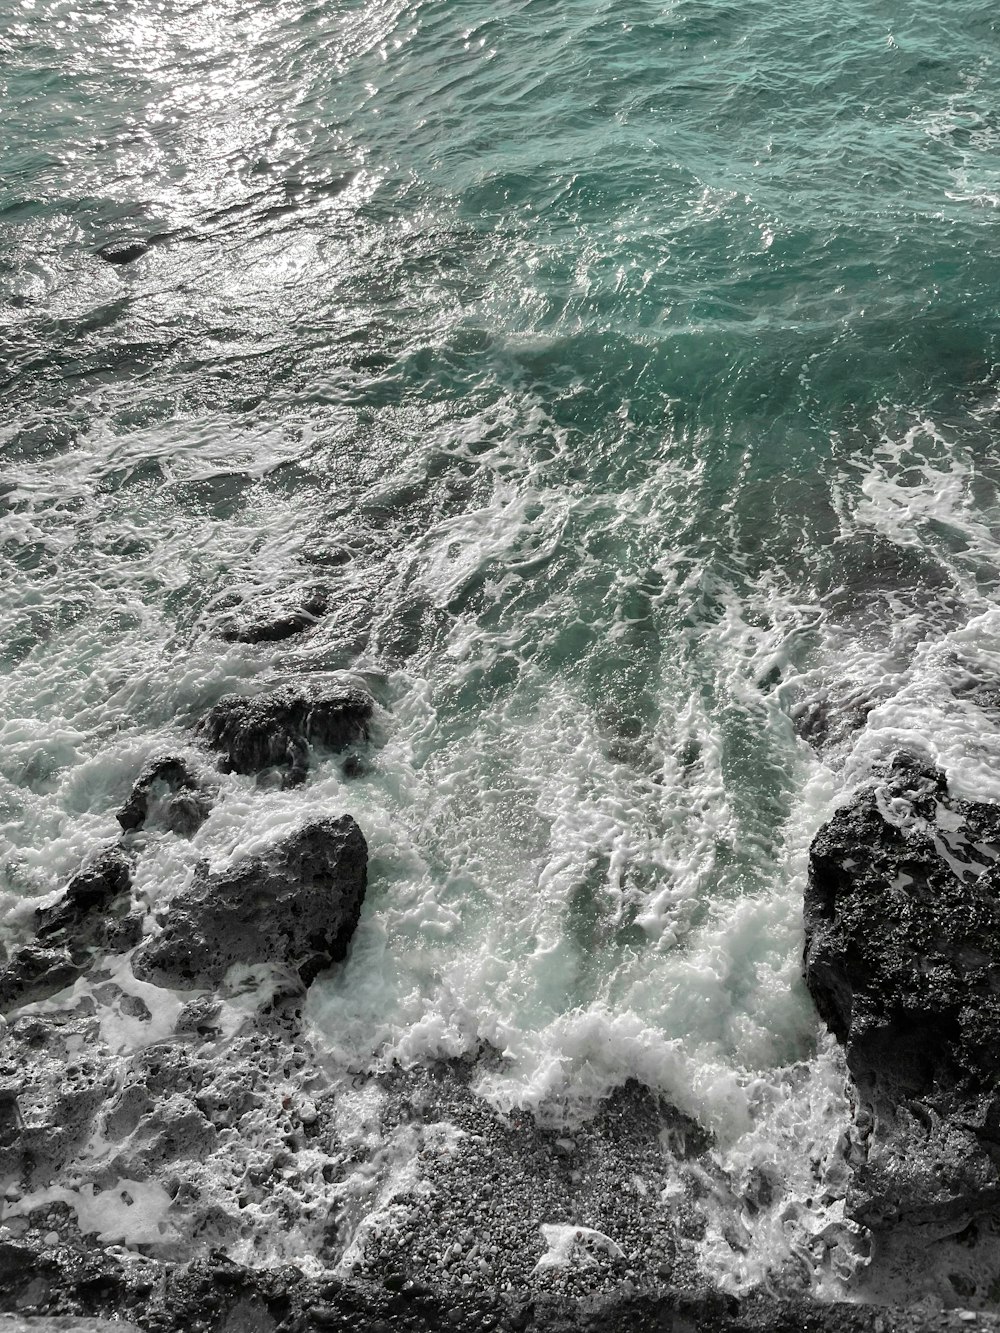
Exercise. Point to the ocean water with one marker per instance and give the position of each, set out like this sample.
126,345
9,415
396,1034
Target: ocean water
627,374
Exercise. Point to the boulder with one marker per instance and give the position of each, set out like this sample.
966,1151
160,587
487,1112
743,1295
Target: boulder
297,905
92,914
78,919
34,973
902,958
167,792
277,729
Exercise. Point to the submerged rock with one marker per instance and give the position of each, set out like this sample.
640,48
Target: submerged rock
902,958
169,792
274,620
297,906
123,252
277,728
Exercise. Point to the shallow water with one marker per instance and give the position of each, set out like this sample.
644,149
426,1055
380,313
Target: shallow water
627,372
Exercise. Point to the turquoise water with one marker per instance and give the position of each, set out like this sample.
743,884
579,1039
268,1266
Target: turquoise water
626,372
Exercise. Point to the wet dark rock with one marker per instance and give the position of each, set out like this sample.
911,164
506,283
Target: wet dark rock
279,727
226,1138
167,792
902,958
272,622
78,919
122,933
297,906
123,252
34,973
215,1293
11,1120
354,767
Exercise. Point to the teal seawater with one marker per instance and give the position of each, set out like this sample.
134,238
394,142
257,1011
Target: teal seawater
627,372
740,234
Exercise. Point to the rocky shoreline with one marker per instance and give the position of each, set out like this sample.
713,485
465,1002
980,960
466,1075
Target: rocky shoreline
213,1294
173,1150
902,959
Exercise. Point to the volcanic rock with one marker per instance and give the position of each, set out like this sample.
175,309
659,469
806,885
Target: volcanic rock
214,1292
168,791
278,728
297,906
902,958
34,973
78,919
91,915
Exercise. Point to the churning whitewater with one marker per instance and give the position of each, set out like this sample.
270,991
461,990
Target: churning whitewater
609,390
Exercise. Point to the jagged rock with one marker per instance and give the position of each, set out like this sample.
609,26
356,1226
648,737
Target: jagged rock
165,1115
902,958
119,934
277,728
297,906
136,1173
34,973
170,793
130,1006
199,1016
123,252
218,1293
274,620
78,919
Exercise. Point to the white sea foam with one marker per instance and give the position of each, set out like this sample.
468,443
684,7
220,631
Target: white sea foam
603,884
567,1245
134,1212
